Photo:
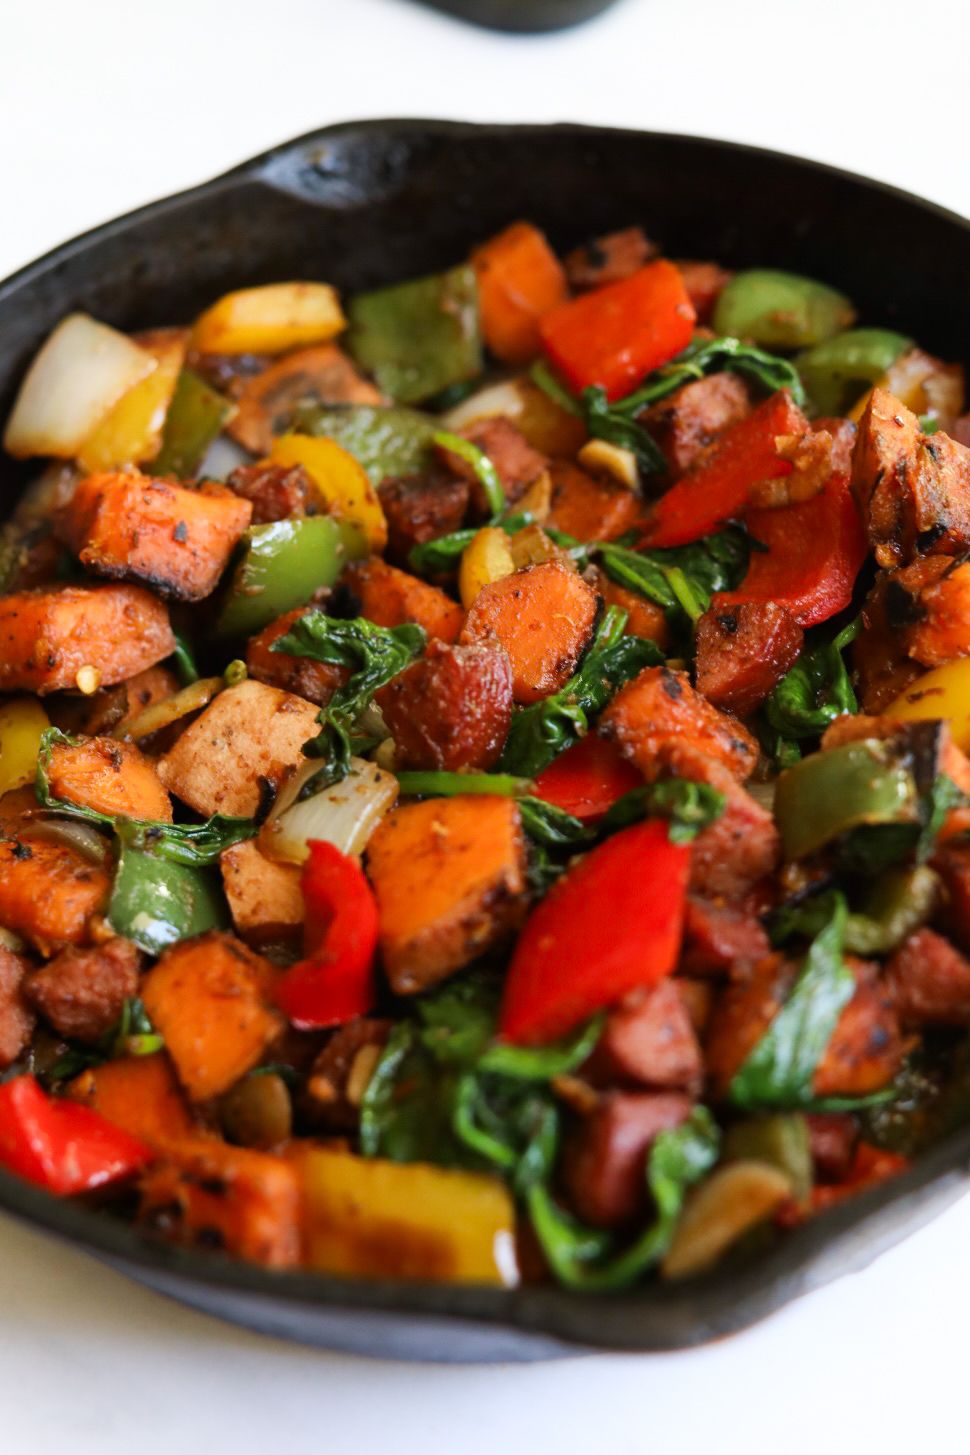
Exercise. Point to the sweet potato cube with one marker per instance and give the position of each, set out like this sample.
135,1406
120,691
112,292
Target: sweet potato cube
47,636
206,1194
316,681
48,891
175,540
368,1218
140,1094
237,752
590,510
110,777
449,875
390,597
660,706
262,894
209,998
543,618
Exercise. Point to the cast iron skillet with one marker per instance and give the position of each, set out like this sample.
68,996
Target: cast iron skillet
371,202
523,15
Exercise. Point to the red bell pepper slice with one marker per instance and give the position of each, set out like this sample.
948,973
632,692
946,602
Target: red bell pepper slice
611,924
335,982
815,552
615,335
870,1167
587,779
719,490
61,1146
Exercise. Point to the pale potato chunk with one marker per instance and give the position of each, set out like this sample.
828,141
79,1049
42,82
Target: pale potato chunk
261,893
235,755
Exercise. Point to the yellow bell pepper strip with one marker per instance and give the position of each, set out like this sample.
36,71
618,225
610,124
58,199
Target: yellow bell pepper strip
943,693
131,431
485,559
341,481
269,320
23,723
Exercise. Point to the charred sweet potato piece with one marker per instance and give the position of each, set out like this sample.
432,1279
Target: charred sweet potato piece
140,1094
449,876
46,637
16,1016
644,618
718,934
209,998
866,1049
516,462
609,258
263,895
742,652
590,510
315,681
175,540
233,758
110,777
266,400
882,668
81,993
755,994
451,709
658,706
928,609
275,492
913,489
604,1158
205,1194
929,981
390,597
48,891
649,1040
543,619
690,420
419,508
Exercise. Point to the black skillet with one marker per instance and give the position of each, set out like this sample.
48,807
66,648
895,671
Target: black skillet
523,15
371,202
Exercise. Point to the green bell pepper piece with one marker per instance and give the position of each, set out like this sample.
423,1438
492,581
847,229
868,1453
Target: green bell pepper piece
156,902
196,416
781,310
420,337
780,1140
282,565
899,902
827,794
836,373
383,441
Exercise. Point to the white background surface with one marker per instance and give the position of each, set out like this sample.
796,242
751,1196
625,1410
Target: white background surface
105,104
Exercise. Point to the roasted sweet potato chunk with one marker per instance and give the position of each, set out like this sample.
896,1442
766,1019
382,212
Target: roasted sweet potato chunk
660,705
913,489
81,993
48,891
449,876
389,597
16,1016
928,609
742,652
110,777
315,681
140,1094
450,709
205,1194
543,619
46,637
644,618
233,758
210,999
590,510
175,540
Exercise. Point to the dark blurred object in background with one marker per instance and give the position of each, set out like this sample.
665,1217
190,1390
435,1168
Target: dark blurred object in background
523,15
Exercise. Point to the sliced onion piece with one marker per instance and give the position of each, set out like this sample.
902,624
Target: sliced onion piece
80,373
505,398
161,714
345,814
84,838
221,458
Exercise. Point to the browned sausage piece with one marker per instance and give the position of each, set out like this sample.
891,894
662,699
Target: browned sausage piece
832,1137
694,417
929,981
81,993
608,259
326,1099
516,462
649,1040
276,492
451,709
16,1017
743,652
716,935
420,508
604,1158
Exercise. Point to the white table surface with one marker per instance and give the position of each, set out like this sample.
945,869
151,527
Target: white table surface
106,104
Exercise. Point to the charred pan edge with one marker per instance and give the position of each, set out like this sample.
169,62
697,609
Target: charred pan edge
345,179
